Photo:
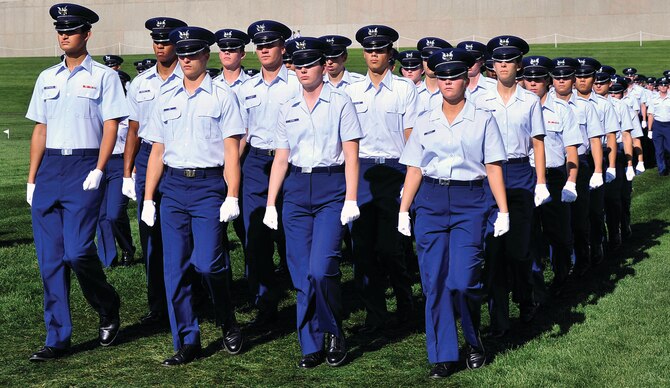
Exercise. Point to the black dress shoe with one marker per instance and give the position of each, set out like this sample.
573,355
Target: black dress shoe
232,338
336,350
475,357
154,318
127,257
47,353
442,370
186,354
528,311
311,360
108,331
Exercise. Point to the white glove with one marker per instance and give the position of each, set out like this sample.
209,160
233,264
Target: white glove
30,189
128,188
639,168
350,212
148,213
649,134
596,180
541,196
644,124
569,192
93,179
630,173
229,210
271,219
501,226
610,174
403,224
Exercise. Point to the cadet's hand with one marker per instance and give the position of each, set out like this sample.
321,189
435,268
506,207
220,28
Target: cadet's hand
639,168
501,226
350,212
403,224
128,188
644,124
596,180
542,195
229,209
93,179
610,174
649,135
148,213
630,173
30,189
271,219
569,192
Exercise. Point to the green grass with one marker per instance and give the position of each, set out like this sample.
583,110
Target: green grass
609,330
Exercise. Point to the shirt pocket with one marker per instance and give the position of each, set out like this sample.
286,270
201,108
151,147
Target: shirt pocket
87,101
207,122
50,96
394,117
170,117
145,95
360,106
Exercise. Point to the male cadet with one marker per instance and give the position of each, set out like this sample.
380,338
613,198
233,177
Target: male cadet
76,105
336,74
112,61
196,127
637,92
584,80
428,93
139,66
590,152
478,83
411,66
142,96
386,108
659,118
231,53
260,98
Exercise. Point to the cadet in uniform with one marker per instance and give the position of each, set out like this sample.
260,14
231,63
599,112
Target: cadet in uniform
142,97
231,53
659,117
195,127
336,74
386,108
478,84
113,61
317,152
411,66
428,93
76,105
452,148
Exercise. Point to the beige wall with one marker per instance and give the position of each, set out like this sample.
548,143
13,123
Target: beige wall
27,30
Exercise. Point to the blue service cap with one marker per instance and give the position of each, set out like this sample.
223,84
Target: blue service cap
212,71
488,62
640,78
450,63
506,48
563,67
306,51
148,62
376,36
161,27
429,45
587,66
191,40
619,84
251,72
630,71
123,76
477,49
605,74
652,80
666,73
536,66
410,59
112,60
229,39
663,81
286,58
69,17
338,44
139,65
268,31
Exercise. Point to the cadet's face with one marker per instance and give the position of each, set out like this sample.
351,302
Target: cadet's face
73,41
231,59
602,89
536,85
453,90
563,86
335,66
650,87
584,84
164,51
475,69
194,65
270,55
618,96
426,70
377,60
663,88
505,71
412,74
310,76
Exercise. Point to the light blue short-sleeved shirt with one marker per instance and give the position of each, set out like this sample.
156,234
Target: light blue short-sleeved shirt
144,92
315,138
637,127
427,100
605,111
121,136
457,151
260,103
484,84
637,92
193,127
384,114
623,115
519,120
562,131
660,108
347,79
588,120
235,85
74,105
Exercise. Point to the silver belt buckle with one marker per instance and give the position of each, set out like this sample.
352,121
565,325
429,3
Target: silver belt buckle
306,170
380,160
443,182
66,151
189,173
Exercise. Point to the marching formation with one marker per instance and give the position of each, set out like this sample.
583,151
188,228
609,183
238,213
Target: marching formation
490,162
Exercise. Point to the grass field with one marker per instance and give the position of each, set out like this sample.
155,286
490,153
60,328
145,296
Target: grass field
610,329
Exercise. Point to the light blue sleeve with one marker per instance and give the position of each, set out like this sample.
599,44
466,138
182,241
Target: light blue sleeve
626,122
154,130
412,154
350,127
411,108
536,119
637,128
593,126
133,106
37,108
494,150
281,135
611,120
244,114
231,120
572,135
113,104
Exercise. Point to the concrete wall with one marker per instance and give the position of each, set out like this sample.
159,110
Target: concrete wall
27,30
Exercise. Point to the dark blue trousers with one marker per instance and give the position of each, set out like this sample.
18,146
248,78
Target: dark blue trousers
193,236
596,214
450,225
113,223
613,199
580,213
150,238
64,221
311,217
661,139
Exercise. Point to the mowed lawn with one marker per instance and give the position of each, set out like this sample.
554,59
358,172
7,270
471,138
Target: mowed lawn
609,329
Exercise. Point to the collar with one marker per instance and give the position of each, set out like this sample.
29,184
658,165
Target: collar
87,65
386,82
282,75
205,86
467,113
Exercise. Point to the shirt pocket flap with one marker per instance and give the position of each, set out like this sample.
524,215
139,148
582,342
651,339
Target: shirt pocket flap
361,106
252,101
213,111
145,95
171,113
89,92
50,92
396,109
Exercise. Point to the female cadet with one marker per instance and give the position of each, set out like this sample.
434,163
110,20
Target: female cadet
317,144
452,148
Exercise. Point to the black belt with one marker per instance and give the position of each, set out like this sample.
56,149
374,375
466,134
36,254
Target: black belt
73,151
196,172
116,156
261,151
317,170
378,160
525,159
453,182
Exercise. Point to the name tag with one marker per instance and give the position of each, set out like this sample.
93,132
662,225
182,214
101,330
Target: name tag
429,132
49,87
292,120
249,97
144,91
552,122
169,109
88,87
357,102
